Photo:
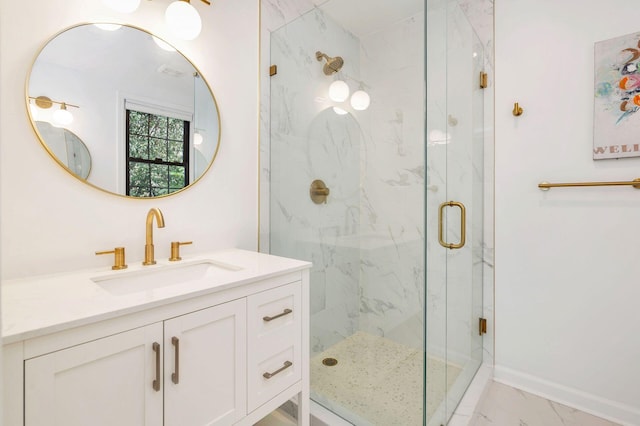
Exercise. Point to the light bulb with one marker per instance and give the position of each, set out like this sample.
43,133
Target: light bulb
62,117
197,139
163,44
338,91
183,19
108,27
360,100
34,111
339,111
123,6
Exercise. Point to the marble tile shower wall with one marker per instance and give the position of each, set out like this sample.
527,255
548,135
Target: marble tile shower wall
310,141
392,192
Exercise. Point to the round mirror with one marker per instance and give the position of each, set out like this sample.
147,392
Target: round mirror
118,102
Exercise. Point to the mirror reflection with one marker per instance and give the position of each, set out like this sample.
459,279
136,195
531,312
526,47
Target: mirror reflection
67,148
136,113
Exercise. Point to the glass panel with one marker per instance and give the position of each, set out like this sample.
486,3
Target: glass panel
138,123
176,151
465,178
176,177
158,149
367,242
436,194
139,147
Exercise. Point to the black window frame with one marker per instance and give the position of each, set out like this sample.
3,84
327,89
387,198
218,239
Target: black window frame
136,160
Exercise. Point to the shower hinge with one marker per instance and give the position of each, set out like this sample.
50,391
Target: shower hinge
273,70
484,80
482,326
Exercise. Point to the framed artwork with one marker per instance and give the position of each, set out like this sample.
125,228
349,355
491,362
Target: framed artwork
616,124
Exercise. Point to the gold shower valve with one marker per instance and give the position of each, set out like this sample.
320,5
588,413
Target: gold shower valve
319,192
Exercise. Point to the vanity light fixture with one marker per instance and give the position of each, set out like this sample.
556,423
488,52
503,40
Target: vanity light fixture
123,6
108,27
183,19
61,117
163,44
198,138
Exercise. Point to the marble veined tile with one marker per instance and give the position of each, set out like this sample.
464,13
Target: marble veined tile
504,405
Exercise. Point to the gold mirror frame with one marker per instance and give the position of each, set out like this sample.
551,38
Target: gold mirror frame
35,96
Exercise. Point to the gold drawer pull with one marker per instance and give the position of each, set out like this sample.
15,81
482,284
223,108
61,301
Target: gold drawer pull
286,312
156,382
175,377
286,365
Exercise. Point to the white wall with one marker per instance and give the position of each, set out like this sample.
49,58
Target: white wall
567,292
52,222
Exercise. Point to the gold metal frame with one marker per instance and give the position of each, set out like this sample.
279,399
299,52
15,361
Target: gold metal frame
51,154
545,186
463,225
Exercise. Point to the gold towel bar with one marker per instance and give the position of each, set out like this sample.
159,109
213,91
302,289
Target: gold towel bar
545,186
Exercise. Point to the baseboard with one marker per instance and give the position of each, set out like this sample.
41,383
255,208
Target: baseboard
589,403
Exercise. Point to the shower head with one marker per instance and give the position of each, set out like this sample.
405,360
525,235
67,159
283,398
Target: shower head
333,65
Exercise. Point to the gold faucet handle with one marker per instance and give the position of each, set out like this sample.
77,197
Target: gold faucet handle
120,262
175,249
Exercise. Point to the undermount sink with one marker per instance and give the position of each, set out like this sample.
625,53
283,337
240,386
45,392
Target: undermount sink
162,276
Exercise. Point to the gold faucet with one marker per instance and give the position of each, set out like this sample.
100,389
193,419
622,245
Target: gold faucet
149,258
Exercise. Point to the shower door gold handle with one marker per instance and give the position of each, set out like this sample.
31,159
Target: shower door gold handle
463,225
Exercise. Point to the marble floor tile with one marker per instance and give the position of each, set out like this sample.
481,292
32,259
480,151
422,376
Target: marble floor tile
507,406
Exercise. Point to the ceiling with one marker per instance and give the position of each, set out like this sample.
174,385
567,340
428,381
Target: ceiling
364,17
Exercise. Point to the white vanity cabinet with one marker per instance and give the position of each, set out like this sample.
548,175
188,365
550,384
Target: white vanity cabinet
104,382
205,366
225,355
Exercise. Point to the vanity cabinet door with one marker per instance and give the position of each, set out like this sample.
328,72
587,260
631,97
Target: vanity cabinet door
205,366
105,382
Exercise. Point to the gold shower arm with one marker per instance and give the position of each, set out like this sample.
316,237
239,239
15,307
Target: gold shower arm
545,186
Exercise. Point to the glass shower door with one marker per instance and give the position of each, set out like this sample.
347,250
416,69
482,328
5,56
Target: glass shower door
455,202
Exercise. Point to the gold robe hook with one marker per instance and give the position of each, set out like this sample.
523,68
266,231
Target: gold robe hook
517,110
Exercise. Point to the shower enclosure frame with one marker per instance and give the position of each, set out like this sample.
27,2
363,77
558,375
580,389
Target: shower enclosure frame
428,186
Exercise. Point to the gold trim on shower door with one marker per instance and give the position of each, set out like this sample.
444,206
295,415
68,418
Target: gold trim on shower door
463,225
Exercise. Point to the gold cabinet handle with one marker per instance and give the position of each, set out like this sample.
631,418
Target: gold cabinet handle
175,376
119,261
175,249
286,365
156,382
285,312
463,225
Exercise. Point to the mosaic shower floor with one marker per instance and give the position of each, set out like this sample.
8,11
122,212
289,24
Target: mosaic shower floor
379,381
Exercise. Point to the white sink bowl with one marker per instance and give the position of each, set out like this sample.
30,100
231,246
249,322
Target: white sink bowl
156,277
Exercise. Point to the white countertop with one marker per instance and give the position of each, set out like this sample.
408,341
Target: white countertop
40,305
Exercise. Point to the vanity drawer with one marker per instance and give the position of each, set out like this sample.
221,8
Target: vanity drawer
274,342
275,317
272,374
